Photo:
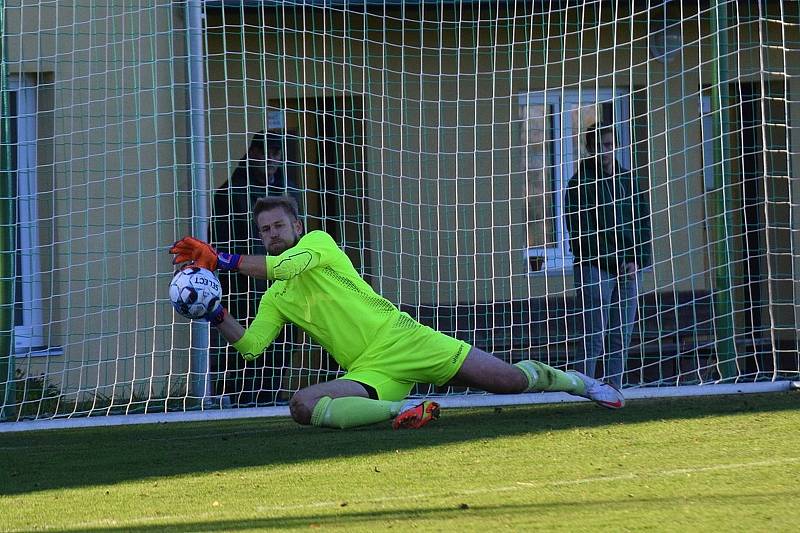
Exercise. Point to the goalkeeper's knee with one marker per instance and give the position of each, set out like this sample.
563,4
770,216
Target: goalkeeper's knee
301,408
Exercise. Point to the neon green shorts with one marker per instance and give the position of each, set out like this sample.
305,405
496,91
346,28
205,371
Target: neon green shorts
401,357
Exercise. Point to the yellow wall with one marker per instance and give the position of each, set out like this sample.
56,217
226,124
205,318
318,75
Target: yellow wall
114,186
441,105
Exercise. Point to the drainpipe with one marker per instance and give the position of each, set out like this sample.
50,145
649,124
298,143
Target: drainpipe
200,386
721,204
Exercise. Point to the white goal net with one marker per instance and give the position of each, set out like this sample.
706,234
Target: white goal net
442,144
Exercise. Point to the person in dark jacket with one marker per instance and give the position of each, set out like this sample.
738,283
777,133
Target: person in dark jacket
260,173
608,221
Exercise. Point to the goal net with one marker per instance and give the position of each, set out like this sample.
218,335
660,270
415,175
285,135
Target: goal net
597,185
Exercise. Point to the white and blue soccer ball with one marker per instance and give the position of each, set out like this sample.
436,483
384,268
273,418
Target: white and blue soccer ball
194,291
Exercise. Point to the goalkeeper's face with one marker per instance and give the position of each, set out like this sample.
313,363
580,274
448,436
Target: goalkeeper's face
279,230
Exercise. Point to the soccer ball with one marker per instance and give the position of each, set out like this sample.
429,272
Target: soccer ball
194,291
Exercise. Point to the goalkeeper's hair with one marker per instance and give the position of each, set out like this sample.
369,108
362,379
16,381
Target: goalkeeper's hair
287,203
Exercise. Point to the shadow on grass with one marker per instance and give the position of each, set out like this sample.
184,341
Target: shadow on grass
100,456
345,518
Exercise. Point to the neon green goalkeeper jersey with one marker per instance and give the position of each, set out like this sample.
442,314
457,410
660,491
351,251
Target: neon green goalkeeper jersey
316,287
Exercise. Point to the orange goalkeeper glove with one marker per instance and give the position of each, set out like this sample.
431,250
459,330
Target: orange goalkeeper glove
202,254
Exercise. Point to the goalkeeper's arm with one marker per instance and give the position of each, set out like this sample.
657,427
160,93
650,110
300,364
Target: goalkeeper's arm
204,255
315,251
227,325
234,333
250,342
254,266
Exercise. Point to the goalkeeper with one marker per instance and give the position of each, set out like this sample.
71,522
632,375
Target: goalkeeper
384,351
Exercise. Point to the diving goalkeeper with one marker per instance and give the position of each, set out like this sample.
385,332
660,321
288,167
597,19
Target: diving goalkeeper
384,351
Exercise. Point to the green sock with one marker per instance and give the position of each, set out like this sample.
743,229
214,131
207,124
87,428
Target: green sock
546,378
352,411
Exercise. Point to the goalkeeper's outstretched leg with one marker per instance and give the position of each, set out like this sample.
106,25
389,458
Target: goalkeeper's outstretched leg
485,371
346,403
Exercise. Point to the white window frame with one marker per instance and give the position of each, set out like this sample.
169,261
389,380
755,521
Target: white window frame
559,257
29,336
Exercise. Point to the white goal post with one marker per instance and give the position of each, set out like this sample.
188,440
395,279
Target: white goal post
434,140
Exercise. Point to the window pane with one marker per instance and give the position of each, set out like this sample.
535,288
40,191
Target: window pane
18,298
553,137
537,140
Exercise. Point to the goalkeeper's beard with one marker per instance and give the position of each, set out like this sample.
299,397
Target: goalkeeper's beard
281,246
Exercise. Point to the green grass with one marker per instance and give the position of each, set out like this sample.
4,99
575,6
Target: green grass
712,463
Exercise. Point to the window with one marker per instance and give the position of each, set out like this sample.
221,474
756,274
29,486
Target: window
28,330
555,122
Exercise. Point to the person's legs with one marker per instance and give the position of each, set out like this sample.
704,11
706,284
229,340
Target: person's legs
486,372
593,288
346,403
235,381
216,367
269,368
256,383
375,388
613,359
234,368
622,315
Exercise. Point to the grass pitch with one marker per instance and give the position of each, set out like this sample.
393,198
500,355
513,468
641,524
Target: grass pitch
701,464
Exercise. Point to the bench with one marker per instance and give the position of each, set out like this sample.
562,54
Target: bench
673,338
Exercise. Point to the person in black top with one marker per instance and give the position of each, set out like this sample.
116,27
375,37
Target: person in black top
260,173
608,221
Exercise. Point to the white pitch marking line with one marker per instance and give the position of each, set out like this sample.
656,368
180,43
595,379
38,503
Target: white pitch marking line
523,484
677,471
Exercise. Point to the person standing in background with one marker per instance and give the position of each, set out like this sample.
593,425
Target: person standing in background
608,220
260,173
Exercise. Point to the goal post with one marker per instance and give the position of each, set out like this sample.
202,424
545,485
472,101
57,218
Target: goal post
435,141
